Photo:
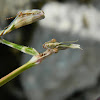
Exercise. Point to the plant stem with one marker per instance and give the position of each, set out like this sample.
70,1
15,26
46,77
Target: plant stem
19,70
36,59
24,49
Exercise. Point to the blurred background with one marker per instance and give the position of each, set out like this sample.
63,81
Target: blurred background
68,75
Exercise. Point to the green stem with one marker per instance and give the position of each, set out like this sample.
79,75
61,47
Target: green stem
28,50
16,72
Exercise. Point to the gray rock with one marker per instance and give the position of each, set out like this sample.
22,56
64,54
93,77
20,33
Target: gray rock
58,76
8,7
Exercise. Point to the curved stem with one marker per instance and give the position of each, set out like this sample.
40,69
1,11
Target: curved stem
35,59
16,72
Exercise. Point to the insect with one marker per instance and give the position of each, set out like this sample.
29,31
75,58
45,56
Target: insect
56,46
22,18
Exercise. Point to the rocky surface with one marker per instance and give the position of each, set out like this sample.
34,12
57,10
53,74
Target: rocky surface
67,75
60,75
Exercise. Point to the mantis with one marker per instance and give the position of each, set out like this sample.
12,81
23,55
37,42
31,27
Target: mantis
23,18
